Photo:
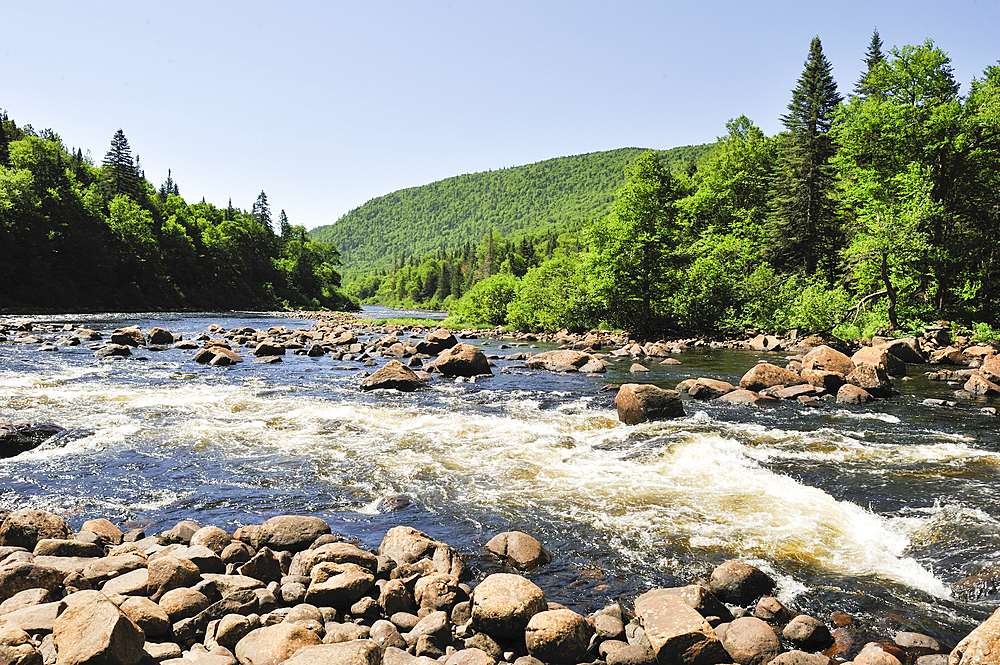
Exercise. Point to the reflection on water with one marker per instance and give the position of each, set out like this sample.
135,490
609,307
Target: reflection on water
873,511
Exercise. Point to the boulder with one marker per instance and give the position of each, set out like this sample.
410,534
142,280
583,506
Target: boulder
160,336
807,633
211,537
104,528
828,359
851,394
16,647
275,644
461,360
269,348
338,585
435,342
825,380
676,632
303,562
874,380
19,437
875,653
771,610
519,550
170,572
94,630
355,652
739,583
702,601
503,604
35,618
24,528
405,545
18,577
291,532
980,385
394,375
67,548
980,646
763,343
264,566
129,337
766,375
741,396
642,402
437,591
801,658
560,360
881,358
147,615
907,349
558,636
990,369
750,641
703,388
471,656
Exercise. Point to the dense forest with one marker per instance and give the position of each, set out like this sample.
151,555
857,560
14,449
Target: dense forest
554,194
874,212
79,236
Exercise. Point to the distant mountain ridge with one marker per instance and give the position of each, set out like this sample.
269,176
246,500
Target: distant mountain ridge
448,213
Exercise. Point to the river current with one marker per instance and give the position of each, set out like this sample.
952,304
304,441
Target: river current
874,510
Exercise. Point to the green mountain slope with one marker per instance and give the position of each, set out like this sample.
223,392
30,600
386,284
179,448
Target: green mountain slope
449,213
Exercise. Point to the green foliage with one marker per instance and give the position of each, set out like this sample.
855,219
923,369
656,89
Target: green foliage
558,194
984,333
487,301
818,306
553,296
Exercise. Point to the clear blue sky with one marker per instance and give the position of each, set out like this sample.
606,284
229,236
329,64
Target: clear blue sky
325,105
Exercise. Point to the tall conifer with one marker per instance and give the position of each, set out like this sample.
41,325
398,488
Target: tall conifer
873,57
802,220
120,175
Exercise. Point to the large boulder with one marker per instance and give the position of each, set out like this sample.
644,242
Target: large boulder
291,532
94,630
171,572
304,561
128,337
19,437
558,636
703,388
563,360
338,585
354,652
405,545
435,342
980,646
766,375
275,644
978,384
461,360
503,604
519,549
750,641
676,632
874,380
394,375
990,369
906,349
739,583
850,394
881,358
24,528
829,359
16,647
702,600
642,402
807,633
18,577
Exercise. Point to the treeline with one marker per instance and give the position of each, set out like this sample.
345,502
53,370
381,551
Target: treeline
80,236
444,215
875,213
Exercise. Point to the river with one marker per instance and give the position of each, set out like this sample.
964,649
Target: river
873,510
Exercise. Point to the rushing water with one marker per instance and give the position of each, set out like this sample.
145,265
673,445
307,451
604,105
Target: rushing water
873,510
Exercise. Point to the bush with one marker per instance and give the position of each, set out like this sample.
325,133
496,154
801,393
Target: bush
819,306
551,297
487,301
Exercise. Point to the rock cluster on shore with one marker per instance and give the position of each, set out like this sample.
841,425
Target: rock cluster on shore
290,591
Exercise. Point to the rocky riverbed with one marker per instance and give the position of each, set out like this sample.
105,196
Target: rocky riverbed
290,590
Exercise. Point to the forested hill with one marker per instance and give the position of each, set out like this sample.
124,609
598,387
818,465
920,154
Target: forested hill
449,213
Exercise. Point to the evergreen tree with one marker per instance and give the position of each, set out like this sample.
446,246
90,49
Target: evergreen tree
261,211
4,141
169,188
284,225
802,221
120,175
873,57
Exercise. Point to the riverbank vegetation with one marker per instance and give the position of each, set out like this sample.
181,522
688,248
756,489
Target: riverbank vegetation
872,212
81,236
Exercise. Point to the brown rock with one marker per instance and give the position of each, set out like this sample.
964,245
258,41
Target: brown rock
639,403
128,337
739,583
503,604
701,600
676,632
462,360
907,349
338,585
170,572
291,532
303,562
750,641
147,615
560,360
872,379
133,583
741,396
762,343
990,369
26,598
268,348
801,658
274,644
264,566
24,528
824,379
211,537
827,359
16,647
183,603
807,633
355,652
980,385
94,630
850,394
797,392
435,342
67,548
405,545
558,636
394,375
437,591
22,576
36,618
771,610
470,657
519,550
703,388
980,646
766,375
881,358
104,528
873,653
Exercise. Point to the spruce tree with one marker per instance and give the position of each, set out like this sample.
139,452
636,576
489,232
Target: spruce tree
802,221
4,141
873,57
120,175
261,211
284,225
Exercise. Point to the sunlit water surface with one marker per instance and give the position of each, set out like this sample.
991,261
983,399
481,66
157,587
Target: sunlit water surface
872,510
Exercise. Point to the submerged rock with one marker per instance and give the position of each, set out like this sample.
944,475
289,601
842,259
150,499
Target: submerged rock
19,437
